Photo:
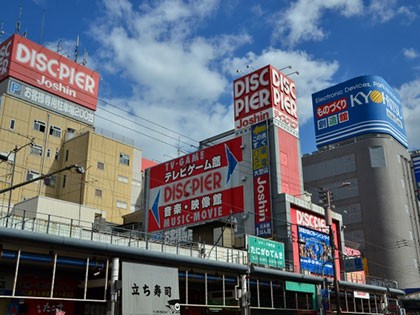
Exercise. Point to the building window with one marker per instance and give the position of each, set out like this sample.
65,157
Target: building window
48,153
32,175
100,165
39,125
377,156
123,179
98,193
64,180
12,124
36,150
136,183
124,159
55,131
121,204
67,155
57,154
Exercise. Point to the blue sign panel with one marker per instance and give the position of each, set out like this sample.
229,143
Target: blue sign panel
416,167
362,105
315,252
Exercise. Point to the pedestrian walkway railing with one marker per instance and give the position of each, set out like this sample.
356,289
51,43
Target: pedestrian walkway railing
61,226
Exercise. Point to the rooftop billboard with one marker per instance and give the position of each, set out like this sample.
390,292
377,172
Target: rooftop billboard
40,67
265,94
366,104
203,186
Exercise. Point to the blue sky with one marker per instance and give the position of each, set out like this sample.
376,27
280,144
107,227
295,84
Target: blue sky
167,67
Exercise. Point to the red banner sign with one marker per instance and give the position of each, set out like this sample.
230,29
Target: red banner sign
198,187
263,94
40,67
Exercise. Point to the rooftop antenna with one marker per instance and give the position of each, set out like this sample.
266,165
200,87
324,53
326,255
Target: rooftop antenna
19,16
41,33
76,49
179,146
58,46
85,55
1,29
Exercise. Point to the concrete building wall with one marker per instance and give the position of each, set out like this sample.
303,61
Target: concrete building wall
109,174
113,177
377,211
20,123
55,210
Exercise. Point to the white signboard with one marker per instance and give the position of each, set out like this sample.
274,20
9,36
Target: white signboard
149,290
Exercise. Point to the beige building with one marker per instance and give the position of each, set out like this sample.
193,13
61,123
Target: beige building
35,141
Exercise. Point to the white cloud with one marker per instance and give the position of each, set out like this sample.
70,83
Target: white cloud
183,81
385,10
173,73
302,21
410,53
410,98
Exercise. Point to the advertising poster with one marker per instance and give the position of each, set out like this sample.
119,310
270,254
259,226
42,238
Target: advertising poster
149,290
315,252
362,105
203,186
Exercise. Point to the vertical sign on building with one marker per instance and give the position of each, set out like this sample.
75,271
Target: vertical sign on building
148,289
261,179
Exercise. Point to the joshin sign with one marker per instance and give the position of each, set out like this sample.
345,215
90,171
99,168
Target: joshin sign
198,187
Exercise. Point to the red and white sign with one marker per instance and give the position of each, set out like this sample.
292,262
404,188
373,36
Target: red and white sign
198,187
310,220
40,67
361,295
331,108
262,199
263,94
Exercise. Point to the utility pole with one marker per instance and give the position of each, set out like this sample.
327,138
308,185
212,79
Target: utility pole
327,197
14,151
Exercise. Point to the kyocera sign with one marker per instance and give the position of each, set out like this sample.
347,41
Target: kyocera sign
362,105
198,187
264,94
40,67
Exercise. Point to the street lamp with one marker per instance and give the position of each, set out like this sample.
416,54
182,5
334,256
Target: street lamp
77,168
326,197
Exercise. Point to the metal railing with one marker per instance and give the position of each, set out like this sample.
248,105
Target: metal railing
61,226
